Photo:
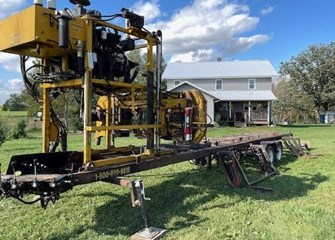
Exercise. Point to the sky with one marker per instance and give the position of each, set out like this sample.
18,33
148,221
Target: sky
204,30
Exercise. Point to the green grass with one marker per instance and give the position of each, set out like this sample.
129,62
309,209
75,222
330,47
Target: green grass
13,113
191,203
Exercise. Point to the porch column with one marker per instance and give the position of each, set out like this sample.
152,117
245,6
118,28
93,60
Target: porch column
230,107
269,113
249,113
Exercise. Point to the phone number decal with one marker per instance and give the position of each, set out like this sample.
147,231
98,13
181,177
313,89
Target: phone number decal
112,173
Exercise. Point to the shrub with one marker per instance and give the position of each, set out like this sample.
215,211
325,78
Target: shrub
19,131
3,132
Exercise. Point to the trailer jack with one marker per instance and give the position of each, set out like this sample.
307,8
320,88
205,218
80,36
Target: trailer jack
138,200
147,233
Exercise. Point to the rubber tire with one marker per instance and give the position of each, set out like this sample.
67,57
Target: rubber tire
271,152
278,152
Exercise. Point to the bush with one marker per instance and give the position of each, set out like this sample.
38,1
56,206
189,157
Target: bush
19,131
3,132
75,122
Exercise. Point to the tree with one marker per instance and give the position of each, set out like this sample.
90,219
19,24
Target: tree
293,105
137,57
15,103
313,72
3,132
5,106
32,106
19,131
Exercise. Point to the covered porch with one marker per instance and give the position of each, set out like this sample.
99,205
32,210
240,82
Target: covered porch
235,113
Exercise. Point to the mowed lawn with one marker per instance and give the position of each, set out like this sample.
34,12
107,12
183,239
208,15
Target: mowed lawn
190,202
13,113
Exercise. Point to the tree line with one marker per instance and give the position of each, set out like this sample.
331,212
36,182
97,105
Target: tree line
306,87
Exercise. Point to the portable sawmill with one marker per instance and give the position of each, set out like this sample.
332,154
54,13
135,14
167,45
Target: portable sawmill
81,50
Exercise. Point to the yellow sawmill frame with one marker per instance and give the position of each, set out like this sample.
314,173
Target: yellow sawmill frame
40,40
44,35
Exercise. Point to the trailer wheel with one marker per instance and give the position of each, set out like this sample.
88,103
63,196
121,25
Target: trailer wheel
271,153
279,151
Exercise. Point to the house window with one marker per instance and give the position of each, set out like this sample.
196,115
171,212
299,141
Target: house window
218,84
176,82
251,84
246,106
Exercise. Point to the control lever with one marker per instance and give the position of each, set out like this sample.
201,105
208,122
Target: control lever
140,184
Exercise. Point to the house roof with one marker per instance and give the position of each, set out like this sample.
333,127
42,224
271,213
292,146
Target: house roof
174,88
223,69
251,95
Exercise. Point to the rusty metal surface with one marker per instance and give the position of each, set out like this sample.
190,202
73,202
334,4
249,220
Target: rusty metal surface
38,177
65,178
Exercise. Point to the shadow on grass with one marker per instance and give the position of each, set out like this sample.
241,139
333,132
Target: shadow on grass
175,201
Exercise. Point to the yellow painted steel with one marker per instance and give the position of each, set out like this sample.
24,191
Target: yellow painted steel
46,121
112,150
77,83
88,92
34,32
120,127
199,115
121,159
108,122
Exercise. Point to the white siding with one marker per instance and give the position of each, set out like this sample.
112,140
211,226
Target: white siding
237,84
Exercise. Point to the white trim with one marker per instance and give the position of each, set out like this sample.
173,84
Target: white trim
249,112
249,80
192,85
244,95
216,84
269,112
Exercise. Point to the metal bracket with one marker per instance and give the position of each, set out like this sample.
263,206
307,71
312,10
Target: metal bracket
230,165
294,145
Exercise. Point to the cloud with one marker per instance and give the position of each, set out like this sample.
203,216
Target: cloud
267,10
194,56
245,43
150,10
9,7
8,87
10,62
206,29
15,84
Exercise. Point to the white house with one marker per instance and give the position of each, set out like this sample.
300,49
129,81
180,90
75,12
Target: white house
237,92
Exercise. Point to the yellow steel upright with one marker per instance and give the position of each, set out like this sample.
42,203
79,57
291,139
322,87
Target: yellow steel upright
150,61
108,122
46,120
150,94
88,90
